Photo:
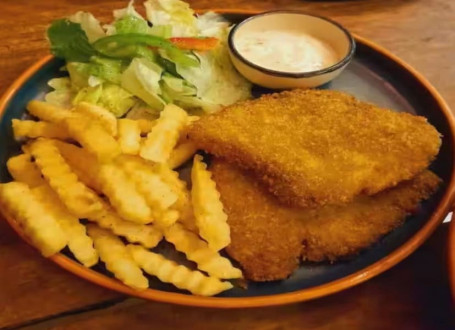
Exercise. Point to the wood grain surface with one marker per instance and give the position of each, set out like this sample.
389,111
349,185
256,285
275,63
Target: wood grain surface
36,294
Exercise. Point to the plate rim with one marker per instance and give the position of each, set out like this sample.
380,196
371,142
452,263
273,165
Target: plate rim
380,266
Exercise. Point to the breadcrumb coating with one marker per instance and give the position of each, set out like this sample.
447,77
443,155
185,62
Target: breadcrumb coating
268,239
316,147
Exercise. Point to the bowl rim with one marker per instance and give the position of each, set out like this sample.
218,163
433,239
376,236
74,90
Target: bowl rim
343,283
297,75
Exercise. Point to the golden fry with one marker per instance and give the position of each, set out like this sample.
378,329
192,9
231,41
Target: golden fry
35,129
93,137
41,227
79,199
117,258
22,169
164,136
170,272
183,204
145,125
160,193
48,112
79,243
198,251
208,209
182,153
82,163
129,136
123,194
104,117
146,235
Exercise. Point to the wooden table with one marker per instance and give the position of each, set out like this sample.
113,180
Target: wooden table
36,294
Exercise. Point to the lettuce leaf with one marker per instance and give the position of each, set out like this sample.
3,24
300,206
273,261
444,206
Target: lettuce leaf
89,24
63,93
128,11
109,96
116,99
131,24
175,13
102,68
217,82
69,41
142,79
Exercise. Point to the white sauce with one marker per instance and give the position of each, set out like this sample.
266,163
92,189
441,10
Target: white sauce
287,51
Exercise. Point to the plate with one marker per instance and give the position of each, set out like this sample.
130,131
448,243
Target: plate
374,75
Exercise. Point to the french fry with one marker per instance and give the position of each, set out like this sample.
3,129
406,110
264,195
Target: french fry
123,194
157,192
146,235
35,129
105,118
48,112
170,272
79,243
40,226
82,163
183,204
22,169
93,137
182,153
163,138
129,136
78,198
116,257
208,209
198,251
145,125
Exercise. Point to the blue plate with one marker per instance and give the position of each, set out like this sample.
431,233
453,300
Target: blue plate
375,76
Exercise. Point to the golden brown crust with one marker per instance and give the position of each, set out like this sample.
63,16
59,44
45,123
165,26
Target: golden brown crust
335,232
268,238
314,147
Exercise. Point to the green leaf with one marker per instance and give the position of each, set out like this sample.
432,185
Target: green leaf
69,41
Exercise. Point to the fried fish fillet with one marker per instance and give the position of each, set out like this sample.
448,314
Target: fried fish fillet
316,147
268,239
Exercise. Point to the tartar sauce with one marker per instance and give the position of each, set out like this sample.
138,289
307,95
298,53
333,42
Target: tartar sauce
286,51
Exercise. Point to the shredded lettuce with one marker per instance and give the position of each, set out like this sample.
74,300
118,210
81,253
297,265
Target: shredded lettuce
142,78
104,69
90,94
134,64
131,24
175,13
62,94
128,11
211,24
116,99
89,24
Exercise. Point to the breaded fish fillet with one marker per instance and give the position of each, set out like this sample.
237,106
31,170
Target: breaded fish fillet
268,239
316,147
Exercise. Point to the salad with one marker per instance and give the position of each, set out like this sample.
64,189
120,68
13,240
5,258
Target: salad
136,65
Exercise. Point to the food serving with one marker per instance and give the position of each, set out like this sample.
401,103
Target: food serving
289,49
291,177
286,51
